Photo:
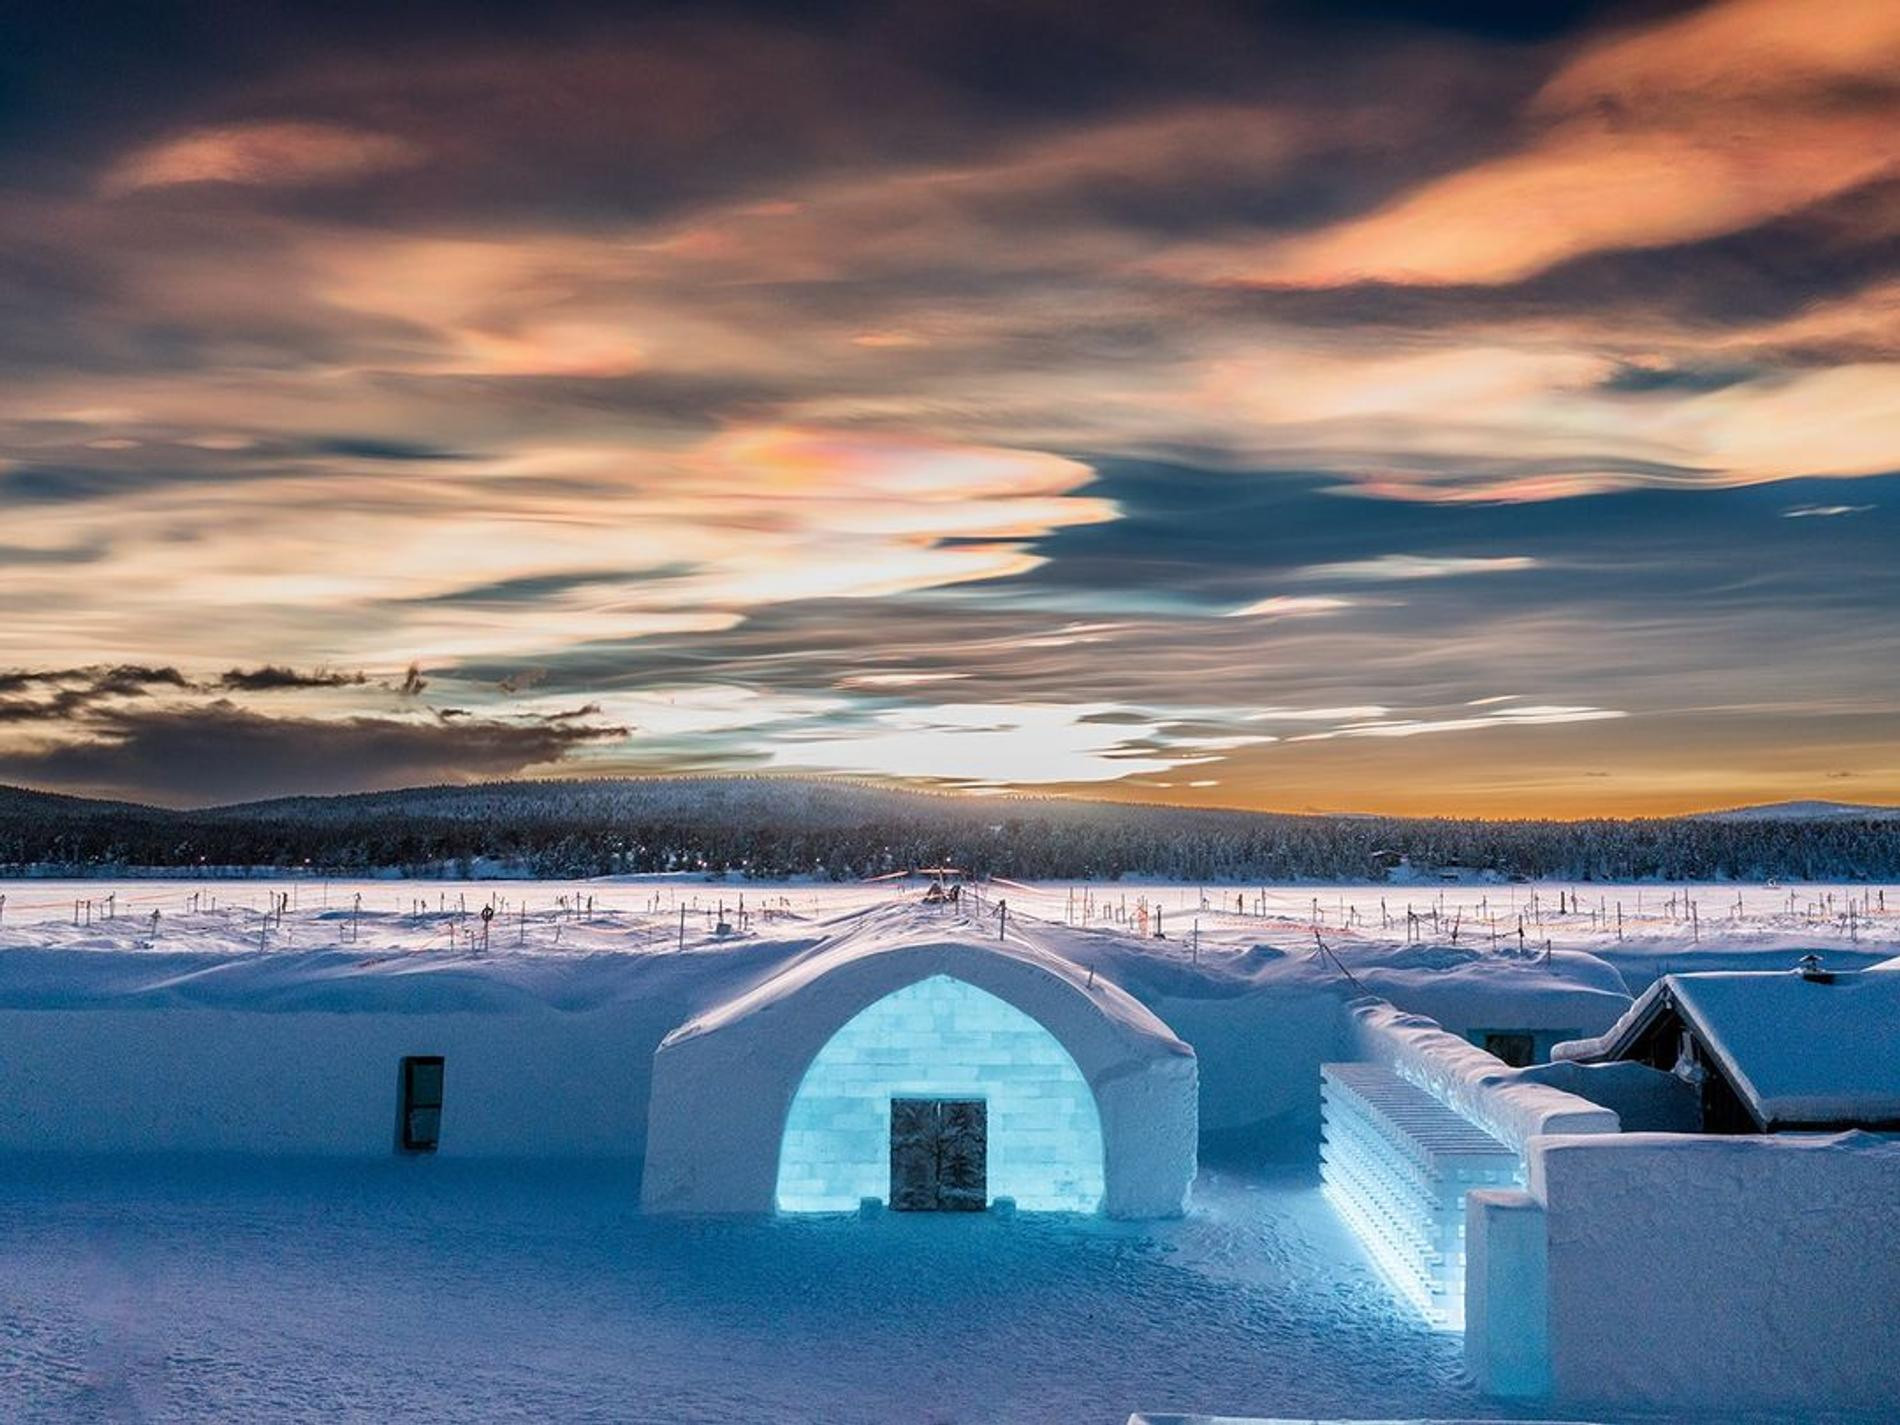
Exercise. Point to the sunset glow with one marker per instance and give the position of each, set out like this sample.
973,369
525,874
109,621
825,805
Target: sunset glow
1436,408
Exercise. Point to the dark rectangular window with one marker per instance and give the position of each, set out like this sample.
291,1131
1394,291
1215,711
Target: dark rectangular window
421,1123
1517,1050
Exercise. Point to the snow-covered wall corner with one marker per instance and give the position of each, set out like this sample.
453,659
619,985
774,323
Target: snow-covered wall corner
1257,1056
1465,1078
723,1085
1723,1271
1153,1156
1507,1298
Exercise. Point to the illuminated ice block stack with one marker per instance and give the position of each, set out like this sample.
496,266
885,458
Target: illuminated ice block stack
942,1038
1397,1164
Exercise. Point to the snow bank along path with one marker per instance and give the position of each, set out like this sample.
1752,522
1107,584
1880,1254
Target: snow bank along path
1465,1078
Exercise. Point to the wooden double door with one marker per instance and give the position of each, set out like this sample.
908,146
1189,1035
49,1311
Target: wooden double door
939,1155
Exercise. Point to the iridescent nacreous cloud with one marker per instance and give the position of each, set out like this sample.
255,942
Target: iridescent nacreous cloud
1438,407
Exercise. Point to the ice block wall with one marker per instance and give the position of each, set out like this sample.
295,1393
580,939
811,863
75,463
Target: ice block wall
942,1038
1397,1164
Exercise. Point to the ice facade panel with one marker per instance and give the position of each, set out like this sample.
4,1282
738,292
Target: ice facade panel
1397,1164
942,1038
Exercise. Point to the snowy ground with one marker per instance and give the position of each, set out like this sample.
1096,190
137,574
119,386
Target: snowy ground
168,1289
544,1295
193,1292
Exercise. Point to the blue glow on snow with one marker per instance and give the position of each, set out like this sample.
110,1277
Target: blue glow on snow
942,1038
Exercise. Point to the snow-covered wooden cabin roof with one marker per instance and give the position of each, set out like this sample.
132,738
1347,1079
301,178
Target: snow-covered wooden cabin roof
1801,1050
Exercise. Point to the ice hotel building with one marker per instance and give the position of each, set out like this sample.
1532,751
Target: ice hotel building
906,1057
946,1074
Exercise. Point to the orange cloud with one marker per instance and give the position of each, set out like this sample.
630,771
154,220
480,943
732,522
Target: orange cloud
1697,127
687,541
286,153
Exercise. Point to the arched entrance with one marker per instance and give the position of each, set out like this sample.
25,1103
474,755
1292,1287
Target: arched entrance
1087,1102
926,1057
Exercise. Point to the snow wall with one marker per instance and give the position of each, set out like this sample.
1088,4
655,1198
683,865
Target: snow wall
528,1084
1409,1208
1465,1078
288,1053
1689,1270
724,1084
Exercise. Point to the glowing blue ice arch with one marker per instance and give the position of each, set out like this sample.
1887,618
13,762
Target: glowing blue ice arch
942,1038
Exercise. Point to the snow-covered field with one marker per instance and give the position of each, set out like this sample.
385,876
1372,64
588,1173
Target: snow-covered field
1641,929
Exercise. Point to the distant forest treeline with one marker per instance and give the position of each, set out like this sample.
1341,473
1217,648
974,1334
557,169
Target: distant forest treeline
840,830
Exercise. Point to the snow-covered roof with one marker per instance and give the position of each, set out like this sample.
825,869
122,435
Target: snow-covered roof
888,933
1801,1050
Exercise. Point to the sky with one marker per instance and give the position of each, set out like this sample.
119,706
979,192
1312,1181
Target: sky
1430,408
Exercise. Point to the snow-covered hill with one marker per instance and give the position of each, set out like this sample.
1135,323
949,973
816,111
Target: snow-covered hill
1805,811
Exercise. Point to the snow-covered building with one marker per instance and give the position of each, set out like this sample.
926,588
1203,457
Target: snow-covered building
1757,1187
1768,1052
943,1072
1539,1254
904,1053
369,1047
